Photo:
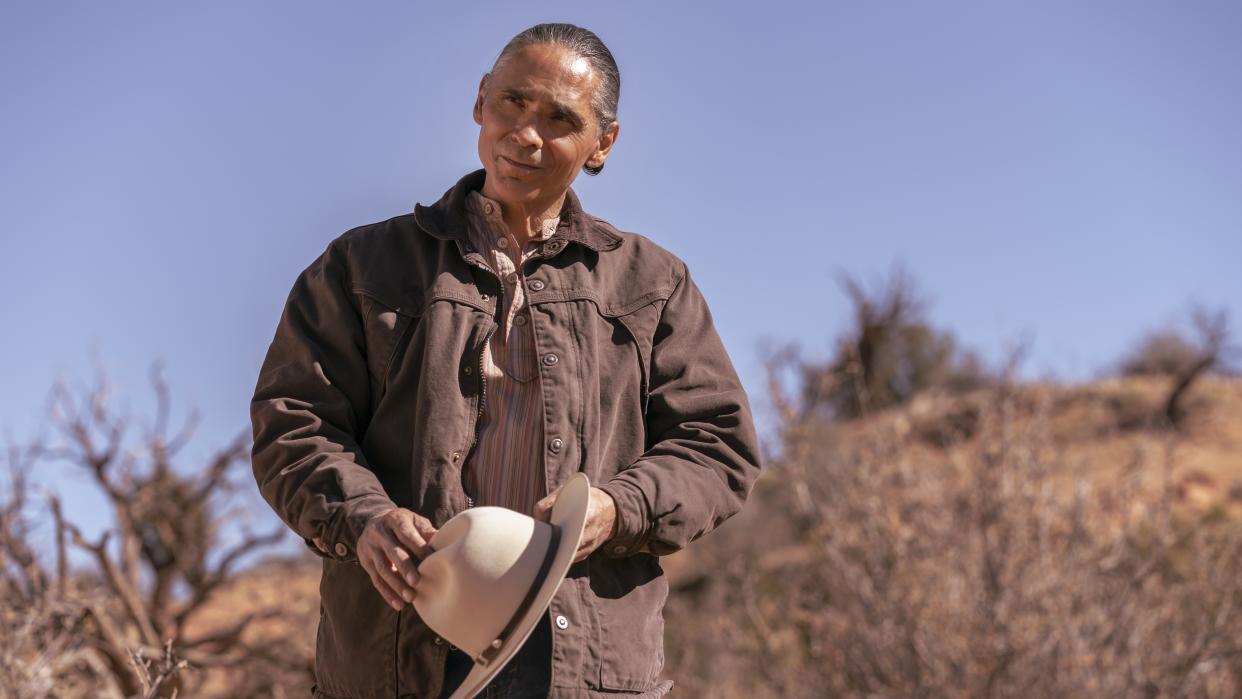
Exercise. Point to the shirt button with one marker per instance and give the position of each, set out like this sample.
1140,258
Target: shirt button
439,641
550,359
619,549
502,243
340,549
519,320
556,444
561,621
488,208
466,369
511,277
536,285
456,456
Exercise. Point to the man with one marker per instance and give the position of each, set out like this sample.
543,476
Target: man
479,351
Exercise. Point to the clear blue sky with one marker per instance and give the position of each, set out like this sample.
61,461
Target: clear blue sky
1068,172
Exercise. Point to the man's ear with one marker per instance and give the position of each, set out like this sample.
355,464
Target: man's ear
478,101
604,147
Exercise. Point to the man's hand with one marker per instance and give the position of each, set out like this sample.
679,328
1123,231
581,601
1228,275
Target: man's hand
389,550
601,520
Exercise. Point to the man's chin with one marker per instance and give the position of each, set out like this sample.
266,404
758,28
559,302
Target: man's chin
513,189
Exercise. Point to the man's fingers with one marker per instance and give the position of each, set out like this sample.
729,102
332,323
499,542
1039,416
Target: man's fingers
426,528
374,569
404,564
407,534
395,567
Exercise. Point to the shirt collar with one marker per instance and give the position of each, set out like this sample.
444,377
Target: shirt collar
445,218
487,209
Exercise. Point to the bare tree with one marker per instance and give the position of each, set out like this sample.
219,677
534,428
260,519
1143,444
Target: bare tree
887,355
132,616
1168,352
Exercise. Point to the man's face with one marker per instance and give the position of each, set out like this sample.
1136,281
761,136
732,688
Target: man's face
538,127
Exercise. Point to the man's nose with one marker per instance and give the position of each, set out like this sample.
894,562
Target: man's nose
526,132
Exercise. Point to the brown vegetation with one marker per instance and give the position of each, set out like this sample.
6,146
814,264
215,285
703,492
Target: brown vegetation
118,628
1040,551
890,354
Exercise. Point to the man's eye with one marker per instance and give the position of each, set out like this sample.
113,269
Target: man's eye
513,98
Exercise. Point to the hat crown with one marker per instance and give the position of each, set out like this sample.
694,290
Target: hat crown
484,561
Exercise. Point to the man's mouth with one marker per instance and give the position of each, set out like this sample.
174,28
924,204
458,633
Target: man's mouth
519,165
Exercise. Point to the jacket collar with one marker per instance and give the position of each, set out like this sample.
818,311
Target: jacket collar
446,219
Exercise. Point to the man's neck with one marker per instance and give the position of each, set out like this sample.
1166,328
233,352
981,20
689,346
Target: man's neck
526,222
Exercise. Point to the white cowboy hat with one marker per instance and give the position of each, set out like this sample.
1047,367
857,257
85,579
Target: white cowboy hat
492,574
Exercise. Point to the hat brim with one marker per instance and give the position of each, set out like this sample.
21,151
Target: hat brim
569,513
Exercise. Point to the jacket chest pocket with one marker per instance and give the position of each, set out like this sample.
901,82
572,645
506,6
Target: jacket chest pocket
639,326
514,350
634,326
385,328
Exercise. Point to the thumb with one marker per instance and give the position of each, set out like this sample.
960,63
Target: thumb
543,508
410,535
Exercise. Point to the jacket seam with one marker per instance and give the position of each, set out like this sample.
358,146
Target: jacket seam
375,296
392,354
644,387
609,310
579,426
459,298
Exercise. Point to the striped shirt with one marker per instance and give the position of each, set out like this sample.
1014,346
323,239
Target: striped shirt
506,466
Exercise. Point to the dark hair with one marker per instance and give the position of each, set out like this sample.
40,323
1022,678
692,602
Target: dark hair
584,43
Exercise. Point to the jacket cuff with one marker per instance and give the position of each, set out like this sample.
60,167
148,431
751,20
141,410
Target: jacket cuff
352,516
310,544
633,522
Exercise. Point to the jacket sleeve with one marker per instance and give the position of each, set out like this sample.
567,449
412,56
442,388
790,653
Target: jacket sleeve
310,405
702,458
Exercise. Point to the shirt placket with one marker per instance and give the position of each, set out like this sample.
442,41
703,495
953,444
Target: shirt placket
509,366
515,346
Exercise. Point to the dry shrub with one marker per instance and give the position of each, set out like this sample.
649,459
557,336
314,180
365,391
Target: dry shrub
1161,352
889,354
868,565
133,622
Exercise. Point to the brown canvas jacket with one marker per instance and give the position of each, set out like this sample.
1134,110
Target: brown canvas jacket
368,398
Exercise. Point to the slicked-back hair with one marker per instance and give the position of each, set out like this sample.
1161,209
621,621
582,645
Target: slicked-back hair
584,43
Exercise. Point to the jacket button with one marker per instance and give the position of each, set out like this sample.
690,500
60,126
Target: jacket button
340,549
561,621
619,550
439,641
467,369
556,444
550,359
536,285
456,456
